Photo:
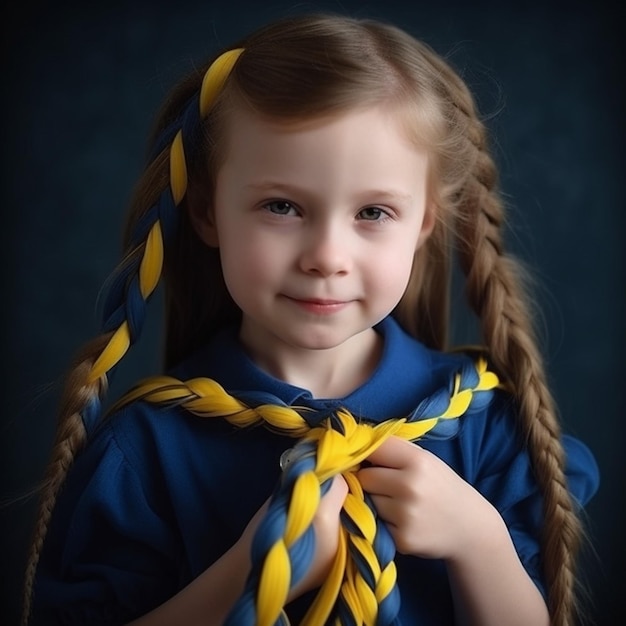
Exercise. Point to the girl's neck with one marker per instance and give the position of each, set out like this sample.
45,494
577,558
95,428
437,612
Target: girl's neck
329,373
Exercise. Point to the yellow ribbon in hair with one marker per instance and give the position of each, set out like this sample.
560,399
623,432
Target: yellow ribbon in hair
215,78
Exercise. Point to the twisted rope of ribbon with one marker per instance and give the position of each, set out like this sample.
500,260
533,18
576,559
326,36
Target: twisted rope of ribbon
132,285
361,587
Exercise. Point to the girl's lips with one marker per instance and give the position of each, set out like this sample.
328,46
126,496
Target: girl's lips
319,306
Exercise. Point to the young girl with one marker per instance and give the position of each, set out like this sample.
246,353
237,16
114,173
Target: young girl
314,453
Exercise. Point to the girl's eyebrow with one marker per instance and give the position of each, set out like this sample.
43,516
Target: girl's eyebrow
269,184
381,194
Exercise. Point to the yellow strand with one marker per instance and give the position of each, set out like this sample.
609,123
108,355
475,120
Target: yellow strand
386,582
215,78
178,169
273,585
152,261
306,490
112,353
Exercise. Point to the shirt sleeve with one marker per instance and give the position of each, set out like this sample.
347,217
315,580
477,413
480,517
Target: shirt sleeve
109,556
497,463
583,474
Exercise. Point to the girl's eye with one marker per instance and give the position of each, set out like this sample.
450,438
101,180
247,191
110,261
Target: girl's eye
280,207
372,213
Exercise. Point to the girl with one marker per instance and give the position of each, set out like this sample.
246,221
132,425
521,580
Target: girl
307,193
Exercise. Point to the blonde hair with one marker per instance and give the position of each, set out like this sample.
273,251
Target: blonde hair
313,66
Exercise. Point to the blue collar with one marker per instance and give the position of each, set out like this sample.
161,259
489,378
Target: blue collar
403,377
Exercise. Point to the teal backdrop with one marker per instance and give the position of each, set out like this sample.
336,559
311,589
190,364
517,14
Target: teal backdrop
80,84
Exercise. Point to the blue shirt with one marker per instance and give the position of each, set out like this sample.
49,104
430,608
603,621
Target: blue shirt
158,494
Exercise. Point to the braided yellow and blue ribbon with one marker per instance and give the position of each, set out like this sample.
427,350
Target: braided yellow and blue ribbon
361,587
132,285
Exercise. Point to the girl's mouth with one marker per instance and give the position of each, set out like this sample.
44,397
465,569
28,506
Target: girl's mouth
319,306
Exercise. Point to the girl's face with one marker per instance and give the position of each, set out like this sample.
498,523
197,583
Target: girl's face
317,225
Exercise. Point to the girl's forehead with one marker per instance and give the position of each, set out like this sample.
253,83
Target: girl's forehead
245,127
341,154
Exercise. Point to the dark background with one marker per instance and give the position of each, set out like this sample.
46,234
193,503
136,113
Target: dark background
80,84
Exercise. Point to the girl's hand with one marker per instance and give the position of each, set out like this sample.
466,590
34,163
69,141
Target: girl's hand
430,510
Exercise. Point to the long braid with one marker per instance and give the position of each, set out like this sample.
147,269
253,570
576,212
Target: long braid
495,292
70,437
129,289
466,194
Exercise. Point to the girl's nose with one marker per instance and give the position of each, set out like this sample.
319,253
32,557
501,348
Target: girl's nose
325,251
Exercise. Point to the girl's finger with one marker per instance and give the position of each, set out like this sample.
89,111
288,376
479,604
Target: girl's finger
378,480
393,453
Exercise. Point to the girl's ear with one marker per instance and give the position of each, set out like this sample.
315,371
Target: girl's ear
428,225
203,222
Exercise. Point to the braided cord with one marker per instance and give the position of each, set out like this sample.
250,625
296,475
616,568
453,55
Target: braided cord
361,587
131,287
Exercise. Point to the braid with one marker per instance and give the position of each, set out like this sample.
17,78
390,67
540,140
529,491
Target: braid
79,393
129,288
493,283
